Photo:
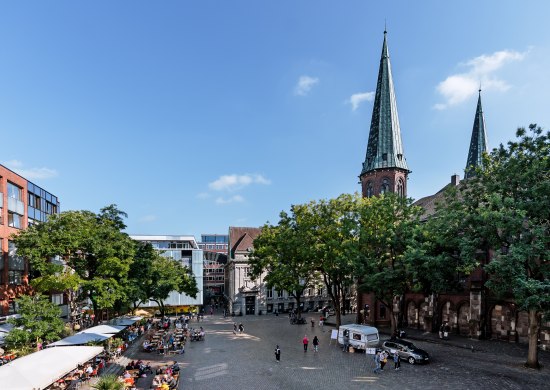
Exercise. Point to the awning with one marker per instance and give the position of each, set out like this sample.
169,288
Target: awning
80,338
127,321
40,369
104,329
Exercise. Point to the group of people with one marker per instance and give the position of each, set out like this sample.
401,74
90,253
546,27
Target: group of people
381,358
239,328
166,378
315,342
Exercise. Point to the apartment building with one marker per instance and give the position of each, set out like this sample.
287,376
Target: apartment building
22,203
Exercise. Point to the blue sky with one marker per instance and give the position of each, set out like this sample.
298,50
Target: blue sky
196,116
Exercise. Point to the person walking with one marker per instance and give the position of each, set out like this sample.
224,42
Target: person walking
312,322
234,328
322,323
278,354
383,360
315,344
241,328
396,361
377,363
305,341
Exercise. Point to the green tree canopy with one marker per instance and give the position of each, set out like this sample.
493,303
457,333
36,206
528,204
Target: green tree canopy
92,246
388,228
39,321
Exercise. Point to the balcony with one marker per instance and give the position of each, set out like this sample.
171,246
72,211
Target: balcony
16,206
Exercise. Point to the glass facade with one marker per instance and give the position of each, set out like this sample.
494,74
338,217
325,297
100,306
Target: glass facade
40,204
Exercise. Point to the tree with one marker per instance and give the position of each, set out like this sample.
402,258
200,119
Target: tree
92,246
333,235
168,275
39,321
280,251
388,225
109,382
511,193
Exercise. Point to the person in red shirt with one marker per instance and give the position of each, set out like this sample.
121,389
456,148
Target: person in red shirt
306,342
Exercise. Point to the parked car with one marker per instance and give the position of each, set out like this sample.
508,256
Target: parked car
328,310
407,351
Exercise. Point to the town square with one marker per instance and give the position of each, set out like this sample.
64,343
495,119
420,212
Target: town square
274,195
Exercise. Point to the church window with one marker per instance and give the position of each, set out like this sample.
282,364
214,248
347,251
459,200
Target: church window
384,156
400,188
385,187
370,189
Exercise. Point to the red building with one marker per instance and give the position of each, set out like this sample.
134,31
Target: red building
22,203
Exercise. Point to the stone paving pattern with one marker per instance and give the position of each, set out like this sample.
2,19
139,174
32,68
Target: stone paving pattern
247,361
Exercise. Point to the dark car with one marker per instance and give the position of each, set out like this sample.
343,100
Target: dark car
407,351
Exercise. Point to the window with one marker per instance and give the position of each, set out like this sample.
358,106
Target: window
384,156
370,189
400,188
385,187
320,291
57,299
279,293
14,191
270,293
15,277
15,220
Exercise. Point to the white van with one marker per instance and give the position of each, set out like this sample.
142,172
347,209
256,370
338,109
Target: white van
358,336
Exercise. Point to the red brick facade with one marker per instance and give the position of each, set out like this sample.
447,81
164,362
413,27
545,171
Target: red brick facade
394,178
9,291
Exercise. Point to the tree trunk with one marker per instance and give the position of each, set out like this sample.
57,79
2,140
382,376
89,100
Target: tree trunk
533,352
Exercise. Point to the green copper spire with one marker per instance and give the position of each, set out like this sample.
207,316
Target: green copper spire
478,143
384,149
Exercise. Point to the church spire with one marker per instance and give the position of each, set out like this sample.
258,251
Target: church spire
478,143
384,157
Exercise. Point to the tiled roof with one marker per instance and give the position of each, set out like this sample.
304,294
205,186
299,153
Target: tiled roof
242,238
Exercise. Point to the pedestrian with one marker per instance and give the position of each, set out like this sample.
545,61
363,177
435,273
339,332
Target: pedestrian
322,323
278,354
305,341
312,322
377,362
396,361
316,344
241,328
234,328
383,360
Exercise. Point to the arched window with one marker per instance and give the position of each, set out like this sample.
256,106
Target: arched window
385,187
400,188
370,189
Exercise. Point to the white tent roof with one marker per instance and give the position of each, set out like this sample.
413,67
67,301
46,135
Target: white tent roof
80,338
125,320
104,329
40,369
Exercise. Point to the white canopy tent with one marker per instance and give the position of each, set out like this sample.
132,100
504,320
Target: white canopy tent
40,369
125,321
104,329
80,338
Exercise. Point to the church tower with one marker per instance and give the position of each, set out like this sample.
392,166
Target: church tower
478,143
385,168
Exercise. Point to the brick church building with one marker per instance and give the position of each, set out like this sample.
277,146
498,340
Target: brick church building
473,312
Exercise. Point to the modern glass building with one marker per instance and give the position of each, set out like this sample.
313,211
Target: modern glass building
185,250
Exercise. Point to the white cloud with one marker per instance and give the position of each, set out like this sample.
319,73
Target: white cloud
357,98
458,87
236,182
30,173
233,199
148,218
304,85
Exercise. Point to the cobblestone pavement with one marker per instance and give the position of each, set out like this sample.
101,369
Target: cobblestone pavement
246,361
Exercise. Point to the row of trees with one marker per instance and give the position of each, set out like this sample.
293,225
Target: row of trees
90,258
499,220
